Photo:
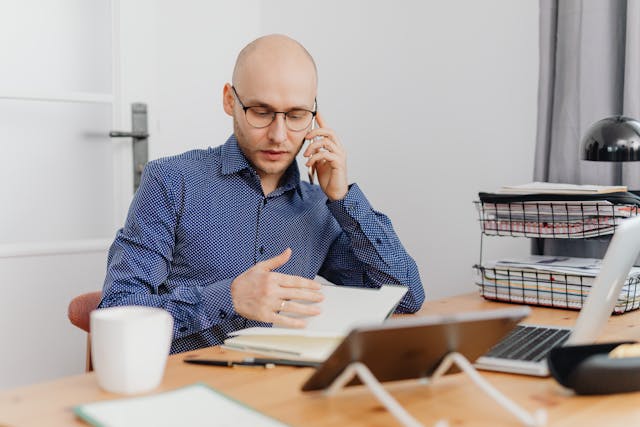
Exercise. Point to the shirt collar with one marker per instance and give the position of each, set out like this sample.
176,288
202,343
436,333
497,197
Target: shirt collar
234,161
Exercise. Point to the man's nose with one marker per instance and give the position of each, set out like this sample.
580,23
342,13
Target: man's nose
278,128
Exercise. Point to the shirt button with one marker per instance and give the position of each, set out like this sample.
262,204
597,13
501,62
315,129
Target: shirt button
183,329
378,241
222,314
261,250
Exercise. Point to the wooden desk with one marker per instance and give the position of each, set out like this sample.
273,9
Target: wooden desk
276,392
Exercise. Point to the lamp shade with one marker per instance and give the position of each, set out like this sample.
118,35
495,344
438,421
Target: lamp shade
613,139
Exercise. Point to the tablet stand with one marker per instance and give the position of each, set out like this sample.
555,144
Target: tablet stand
358,369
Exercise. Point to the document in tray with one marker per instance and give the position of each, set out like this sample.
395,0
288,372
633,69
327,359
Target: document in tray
575,219
555,264
194,405
556,210
589,227
551,280
343,308
558,188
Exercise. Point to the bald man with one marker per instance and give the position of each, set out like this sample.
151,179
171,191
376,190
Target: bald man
231,237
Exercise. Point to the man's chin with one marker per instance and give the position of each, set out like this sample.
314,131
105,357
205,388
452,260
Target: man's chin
273,168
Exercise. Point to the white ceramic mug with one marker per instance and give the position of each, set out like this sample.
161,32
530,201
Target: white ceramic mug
129,347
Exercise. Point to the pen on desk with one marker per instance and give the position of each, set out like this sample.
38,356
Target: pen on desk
282,362
228,363
254,361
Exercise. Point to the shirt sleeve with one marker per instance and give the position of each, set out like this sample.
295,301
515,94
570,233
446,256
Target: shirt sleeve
139,263
368,252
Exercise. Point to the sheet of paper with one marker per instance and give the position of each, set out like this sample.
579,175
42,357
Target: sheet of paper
589,267
558,188
194,405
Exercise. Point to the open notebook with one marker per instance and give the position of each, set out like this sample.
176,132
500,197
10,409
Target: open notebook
343,308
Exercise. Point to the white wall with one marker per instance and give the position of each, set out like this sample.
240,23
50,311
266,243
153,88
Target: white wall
435,100
177,60
176,57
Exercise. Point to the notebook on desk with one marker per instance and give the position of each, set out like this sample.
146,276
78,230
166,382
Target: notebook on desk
525,349
343,308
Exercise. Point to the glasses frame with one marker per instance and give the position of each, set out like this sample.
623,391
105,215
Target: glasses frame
274,113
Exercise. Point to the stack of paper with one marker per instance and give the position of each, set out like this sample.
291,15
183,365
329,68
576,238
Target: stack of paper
558,188
551,281
343,308
559,219
571,211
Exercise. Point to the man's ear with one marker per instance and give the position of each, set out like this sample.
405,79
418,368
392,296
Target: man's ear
228,100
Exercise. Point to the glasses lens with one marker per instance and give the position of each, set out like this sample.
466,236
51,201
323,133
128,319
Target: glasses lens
298,119
259,117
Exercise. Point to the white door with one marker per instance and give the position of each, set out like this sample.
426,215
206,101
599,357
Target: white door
69,72
64,185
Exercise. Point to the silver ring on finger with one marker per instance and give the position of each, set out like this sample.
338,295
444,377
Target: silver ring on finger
282,304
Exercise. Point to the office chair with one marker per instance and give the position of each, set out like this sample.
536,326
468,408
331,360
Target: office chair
79,310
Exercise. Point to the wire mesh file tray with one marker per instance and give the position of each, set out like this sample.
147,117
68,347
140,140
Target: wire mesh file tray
549,281
552,219
523,285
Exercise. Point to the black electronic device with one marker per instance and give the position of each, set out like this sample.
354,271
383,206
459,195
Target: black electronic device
414,347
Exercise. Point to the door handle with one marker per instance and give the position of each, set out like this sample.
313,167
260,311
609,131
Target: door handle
134,135
140,137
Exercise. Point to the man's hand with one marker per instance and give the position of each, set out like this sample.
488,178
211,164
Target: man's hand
329,159
260,294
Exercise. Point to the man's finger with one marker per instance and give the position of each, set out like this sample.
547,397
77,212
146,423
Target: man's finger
289,322
323,158
300,308
320,145
320,120
289,281
300,294
277,261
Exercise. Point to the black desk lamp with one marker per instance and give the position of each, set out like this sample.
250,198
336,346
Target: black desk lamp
613,139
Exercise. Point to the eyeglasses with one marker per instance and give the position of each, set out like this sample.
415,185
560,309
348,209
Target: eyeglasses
260,117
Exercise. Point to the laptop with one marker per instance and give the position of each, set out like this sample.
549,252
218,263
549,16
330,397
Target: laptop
525,349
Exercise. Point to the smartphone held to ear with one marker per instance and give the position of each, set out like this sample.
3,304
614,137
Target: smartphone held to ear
310,170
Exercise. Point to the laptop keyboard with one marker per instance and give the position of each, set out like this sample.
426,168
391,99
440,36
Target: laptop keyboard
530,343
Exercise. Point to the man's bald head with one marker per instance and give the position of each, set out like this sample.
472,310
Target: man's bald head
269,51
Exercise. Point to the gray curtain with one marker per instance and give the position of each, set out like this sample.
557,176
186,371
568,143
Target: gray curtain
589,70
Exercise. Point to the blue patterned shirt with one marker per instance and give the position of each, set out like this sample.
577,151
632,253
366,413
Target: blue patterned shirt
200,219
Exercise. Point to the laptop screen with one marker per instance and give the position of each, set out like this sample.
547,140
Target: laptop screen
618,260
